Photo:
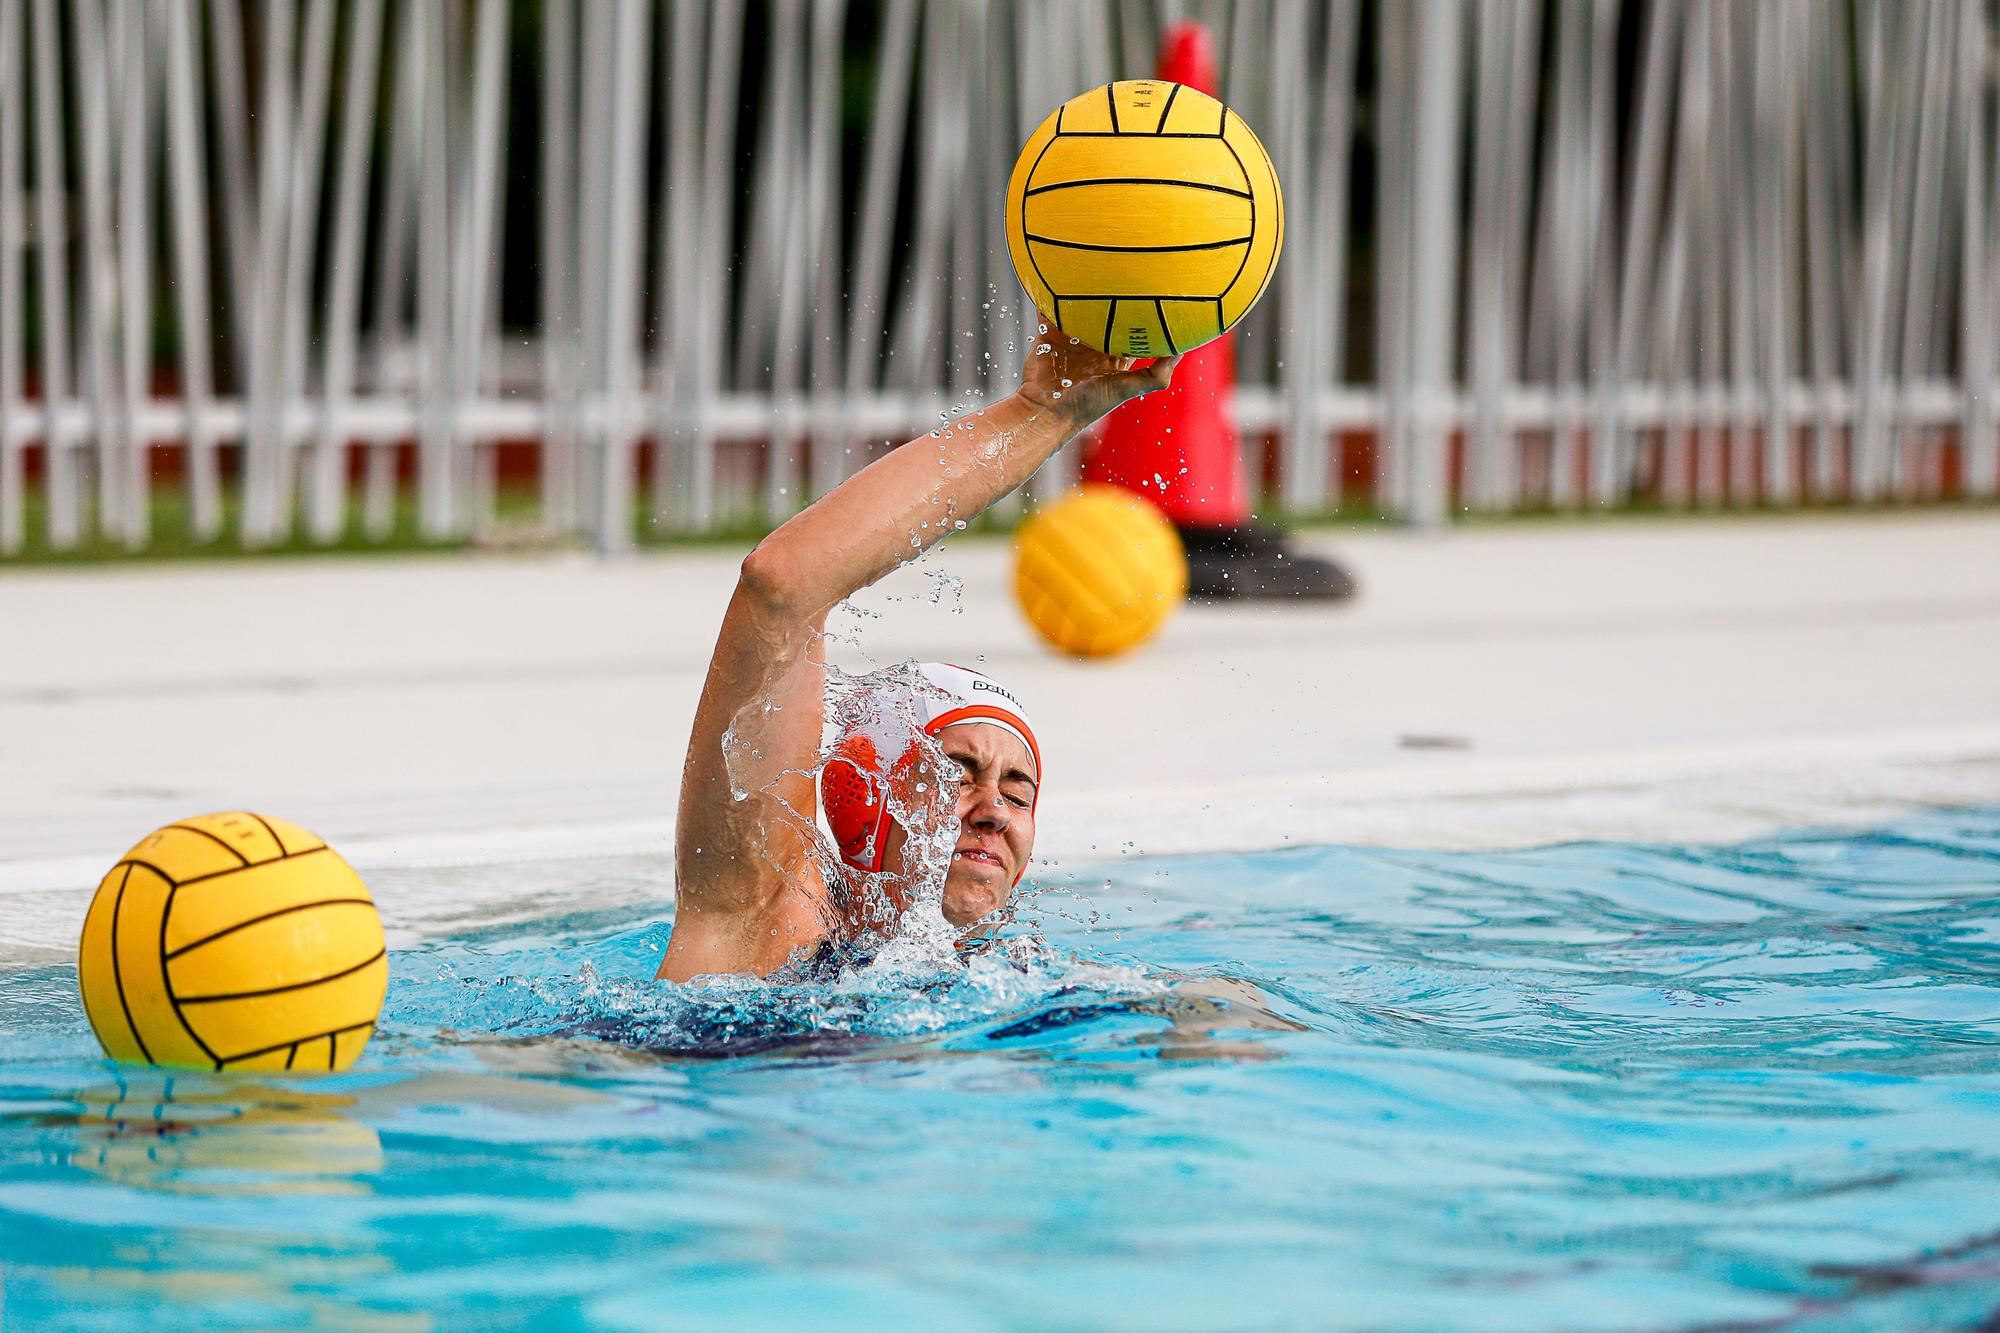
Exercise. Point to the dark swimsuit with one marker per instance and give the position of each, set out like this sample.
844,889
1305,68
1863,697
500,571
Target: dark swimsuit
830,958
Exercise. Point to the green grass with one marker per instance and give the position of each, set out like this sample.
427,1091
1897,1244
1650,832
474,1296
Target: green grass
172,537
515,528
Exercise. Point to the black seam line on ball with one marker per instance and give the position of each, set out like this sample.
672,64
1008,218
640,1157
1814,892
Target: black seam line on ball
1231,285
1140,296
1033,262
332,1050
266,1050
167,981
1107,134
292,1055
1139,180
282,849
1173,89
118,972
223,843
1110,318
268,916
1160,307
365,963
1112,102
217,874
1150,249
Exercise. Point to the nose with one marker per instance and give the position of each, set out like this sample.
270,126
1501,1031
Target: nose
980,806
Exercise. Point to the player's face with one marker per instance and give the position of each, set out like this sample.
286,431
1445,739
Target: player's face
996,819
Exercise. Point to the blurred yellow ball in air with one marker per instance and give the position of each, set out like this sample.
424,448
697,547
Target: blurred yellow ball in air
233,941
1098,573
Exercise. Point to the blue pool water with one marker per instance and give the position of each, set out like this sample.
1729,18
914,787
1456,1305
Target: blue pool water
1590,1086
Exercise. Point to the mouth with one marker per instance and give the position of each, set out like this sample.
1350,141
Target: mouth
978,856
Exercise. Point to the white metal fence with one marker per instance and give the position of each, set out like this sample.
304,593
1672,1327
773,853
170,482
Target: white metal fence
1543,252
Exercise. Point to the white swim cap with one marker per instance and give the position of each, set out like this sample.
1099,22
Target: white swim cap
973,697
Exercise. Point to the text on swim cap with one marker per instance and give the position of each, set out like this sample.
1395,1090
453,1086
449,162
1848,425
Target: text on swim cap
987,685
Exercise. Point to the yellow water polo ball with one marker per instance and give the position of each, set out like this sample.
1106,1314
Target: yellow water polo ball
1098,573
1144,217
233,941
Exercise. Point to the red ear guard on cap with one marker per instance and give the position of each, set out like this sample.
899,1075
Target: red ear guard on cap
855,797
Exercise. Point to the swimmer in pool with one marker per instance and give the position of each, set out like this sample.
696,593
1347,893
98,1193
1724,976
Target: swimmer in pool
751,893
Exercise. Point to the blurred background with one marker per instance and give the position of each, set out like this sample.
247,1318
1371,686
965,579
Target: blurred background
398,272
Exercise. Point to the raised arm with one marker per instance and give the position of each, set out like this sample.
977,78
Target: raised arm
749,891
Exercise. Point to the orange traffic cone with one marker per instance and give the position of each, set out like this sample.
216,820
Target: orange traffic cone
1178,448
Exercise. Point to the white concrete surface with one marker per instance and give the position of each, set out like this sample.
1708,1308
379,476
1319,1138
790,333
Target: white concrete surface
1687,679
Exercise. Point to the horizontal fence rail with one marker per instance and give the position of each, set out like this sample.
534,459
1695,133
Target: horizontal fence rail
673,266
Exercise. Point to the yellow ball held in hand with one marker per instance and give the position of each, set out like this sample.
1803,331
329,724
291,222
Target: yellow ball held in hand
1099,572
233,941
1144,217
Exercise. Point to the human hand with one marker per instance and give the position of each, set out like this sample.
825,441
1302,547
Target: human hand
1065,376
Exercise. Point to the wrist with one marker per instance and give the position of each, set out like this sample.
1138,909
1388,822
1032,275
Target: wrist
1060,416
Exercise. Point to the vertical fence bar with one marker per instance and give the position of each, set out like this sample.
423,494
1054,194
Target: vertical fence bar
1647,153
868,313
1491,253
301,250
13,306
14,422
1977,298
478,205
1607,477
677,257
825,233
1302,283
227,62
775,293
1392,223
1736,204
1433,287
1336,155
392,262
1828,125
263,440
558,458
438,515
1775,94
192,291
627,150
717,220
1708,179
1880,158
1918,250
98,322
59,460
326,490
135,272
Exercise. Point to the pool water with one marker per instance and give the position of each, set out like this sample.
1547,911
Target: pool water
1587,1086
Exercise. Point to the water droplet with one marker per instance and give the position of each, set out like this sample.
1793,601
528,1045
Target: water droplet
1056,394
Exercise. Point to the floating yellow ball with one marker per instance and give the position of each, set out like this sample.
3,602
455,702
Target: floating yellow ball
1098,573
1144,217
233,941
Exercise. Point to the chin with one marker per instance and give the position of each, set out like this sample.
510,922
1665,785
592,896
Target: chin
966,900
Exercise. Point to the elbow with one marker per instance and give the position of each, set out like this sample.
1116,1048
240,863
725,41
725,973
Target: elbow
769,578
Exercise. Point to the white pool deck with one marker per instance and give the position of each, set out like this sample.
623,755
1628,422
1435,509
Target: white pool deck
1687,679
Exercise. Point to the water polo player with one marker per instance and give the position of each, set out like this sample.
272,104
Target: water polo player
752,892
